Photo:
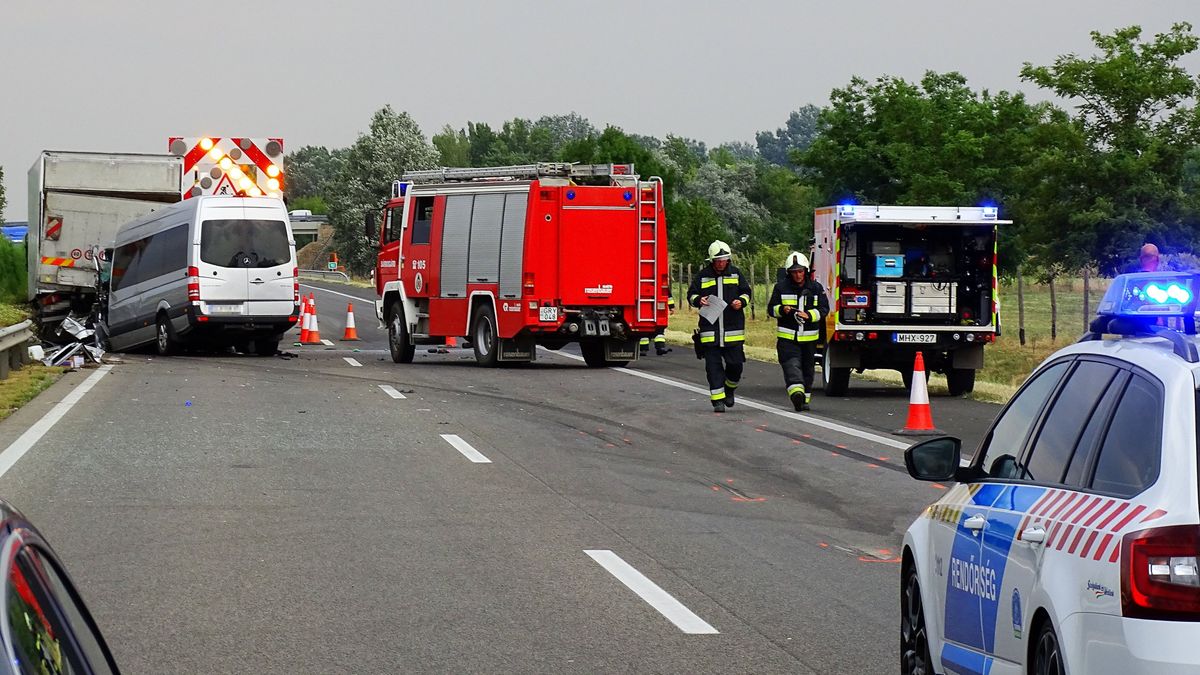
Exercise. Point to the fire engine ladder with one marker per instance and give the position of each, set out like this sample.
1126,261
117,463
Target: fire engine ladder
519,172
648,207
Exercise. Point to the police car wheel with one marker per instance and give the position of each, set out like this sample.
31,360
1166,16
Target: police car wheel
914,638
1047,656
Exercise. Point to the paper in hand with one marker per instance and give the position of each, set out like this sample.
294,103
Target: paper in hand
712,311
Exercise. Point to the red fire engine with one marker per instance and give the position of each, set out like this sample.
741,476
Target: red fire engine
520,256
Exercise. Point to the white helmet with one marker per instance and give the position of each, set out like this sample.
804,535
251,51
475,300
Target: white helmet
718,250
796,260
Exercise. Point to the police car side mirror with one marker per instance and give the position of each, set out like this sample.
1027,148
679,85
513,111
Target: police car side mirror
934,460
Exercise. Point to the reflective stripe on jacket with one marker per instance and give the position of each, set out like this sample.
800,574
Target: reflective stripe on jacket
730,285
811,306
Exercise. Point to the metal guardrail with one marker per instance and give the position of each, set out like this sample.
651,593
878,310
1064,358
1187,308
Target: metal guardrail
324,273
13,350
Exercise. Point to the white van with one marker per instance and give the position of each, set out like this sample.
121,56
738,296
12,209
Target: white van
211,271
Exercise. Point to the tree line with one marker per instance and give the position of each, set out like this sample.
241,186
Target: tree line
1111,162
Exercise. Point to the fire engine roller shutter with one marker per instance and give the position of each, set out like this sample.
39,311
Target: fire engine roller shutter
456,238
512,244
484,266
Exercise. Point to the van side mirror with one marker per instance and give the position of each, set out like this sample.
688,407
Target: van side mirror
369,227
934,460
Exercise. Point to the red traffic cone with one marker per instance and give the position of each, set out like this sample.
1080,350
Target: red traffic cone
305,321
314,332
351,334
920,419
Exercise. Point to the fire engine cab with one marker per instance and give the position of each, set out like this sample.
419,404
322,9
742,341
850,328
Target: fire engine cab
520,256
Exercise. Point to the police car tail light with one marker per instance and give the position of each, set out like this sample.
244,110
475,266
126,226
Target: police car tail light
1160,573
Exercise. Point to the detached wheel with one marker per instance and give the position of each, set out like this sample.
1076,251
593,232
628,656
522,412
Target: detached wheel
960,381
914,638
1047,654
837,380
483,338
165,343
399,341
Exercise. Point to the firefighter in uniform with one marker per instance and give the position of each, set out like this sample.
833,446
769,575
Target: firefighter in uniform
722,341
660,339
799,305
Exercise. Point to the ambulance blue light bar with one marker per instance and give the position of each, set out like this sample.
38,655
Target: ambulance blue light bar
1148,294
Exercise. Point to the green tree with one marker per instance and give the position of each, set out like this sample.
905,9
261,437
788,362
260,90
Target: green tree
692,225
1128,182
453,146
310,171
393,144
315,204
796,135
3,203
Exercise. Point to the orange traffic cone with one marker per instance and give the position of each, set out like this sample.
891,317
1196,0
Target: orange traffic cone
920,420
314,332
305,321
452,341
351,333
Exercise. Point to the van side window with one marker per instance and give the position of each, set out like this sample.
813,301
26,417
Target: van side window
423,220
124,270
165,252
1129,457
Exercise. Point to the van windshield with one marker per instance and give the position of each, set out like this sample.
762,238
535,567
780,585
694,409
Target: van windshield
244,243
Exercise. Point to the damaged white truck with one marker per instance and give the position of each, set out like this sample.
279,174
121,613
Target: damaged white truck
903,279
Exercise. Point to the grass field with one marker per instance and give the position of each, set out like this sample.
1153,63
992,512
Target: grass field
11,314
1006,363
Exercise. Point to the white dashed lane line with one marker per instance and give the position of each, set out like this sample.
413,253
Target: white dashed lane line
683,618
352,362
391,391
325,342
466,449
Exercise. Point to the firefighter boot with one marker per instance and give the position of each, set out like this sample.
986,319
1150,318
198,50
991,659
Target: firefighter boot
798,396
730,388
660,345
807,400
718,406
644,345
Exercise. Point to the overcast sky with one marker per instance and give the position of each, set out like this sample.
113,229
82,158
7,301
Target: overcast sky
122,76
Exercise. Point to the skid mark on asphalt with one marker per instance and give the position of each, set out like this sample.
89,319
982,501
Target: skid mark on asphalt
872,461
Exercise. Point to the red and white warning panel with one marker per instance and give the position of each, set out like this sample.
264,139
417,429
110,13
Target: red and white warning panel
246,167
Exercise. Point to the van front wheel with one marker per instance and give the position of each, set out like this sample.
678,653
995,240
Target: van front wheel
164,344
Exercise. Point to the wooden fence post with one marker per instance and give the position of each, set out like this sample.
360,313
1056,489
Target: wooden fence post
752,289
1053,312
1087,309
1021,306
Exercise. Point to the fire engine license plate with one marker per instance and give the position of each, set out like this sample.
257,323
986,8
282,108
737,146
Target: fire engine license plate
917,338
547,314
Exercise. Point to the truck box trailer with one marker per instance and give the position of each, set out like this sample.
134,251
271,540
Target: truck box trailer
903,279
77,201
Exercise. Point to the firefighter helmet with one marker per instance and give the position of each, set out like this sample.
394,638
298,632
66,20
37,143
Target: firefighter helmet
718,250
796,260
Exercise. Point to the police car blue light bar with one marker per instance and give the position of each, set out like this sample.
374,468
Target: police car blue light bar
1147,294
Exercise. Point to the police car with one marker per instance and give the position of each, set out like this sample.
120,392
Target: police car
1070,542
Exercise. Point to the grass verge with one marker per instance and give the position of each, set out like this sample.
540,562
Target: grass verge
22,385
11,314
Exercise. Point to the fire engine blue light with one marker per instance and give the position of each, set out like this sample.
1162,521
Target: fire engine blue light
627,195
570,194
846,209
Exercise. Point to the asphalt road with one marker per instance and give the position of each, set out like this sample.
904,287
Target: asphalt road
227,513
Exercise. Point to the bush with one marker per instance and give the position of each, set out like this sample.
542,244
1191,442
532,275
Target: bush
12,272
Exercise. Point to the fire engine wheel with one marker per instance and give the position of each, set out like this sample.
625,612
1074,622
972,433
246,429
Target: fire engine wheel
164,342
960,381
483,337
837,380
399,342
593,355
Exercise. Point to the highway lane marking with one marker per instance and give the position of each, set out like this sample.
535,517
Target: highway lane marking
391,391
466,449
683,618
750,403
325,342
352,362
17,449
